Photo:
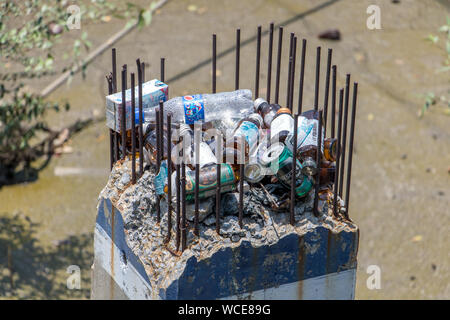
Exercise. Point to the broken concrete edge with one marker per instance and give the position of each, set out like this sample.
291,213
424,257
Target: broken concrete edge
180,276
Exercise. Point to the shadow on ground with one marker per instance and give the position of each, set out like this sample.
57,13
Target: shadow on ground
31,271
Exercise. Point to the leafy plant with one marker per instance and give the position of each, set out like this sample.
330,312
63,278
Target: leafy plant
29,32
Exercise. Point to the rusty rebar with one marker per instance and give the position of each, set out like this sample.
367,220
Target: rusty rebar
133,131
289,73
318,162
317,85
161,125
162,69
178,207
302,77
294,54
258,61
143,71
238,54
327,90
158,159
269,63
350,149
169,177
114,72
141,119
294,173
333,102
197,141
338,152
344,135
124,112
183,205
111,132
214,62
277,79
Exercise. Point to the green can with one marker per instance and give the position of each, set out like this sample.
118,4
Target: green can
281,161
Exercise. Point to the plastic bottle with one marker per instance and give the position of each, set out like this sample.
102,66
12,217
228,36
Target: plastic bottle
307,152
281,126
266,110
207,107
329,149
245,137
186,140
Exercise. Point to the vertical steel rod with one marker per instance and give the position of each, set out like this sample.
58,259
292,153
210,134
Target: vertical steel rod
316,92
238,54
133,130
143,72
338,152
124,112
302,77
162,71
141,119
158,158
219,160
214,57
289,73
241,165
269,63
294,174
318,161
294,54
111,132
277,79
350,149
258,61
333,103
169,177
114,72
344,135
183,205
327,90
178,208
197,141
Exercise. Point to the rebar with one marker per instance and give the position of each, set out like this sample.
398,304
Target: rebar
133,132
338,152
238,53
316,88
169,177
327,90
124,112
344,135
269,63
258,61
319,165
141,119
350,149
277,79
333,102
294,173
302,77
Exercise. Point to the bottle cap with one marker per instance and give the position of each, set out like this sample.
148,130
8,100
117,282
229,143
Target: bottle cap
253,172
257,117
258,103
284,110
309,167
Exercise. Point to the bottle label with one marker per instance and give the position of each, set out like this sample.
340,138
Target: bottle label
281,123
208,179
250,132
194,108
307,133
160,179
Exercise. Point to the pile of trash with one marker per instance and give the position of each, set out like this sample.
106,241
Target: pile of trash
252,140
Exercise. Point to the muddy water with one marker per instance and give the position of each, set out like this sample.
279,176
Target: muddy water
400,178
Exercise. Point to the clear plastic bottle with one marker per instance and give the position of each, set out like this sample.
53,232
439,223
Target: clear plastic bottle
247,133
206,155
207,107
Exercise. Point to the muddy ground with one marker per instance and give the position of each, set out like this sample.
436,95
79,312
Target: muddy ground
400,184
